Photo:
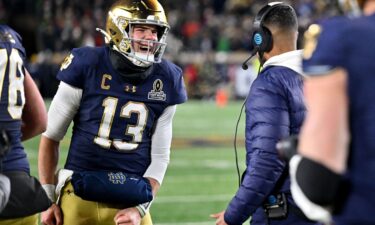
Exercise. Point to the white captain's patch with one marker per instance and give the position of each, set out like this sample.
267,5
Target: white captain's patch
157,92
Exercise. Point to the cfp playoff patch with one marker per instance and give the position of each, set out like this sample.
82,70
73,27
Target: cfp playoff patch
117,178
157,92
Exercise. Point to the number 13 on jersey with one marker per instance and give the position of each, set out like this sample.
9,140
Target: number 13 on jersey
136,131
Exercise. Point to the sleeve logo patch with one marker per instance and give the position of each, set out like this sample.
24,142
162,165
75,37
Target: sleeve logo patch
67,61
310,40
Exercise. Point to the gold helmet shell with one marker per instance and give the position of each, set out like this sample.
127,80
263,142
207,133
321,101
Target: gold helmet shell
125,13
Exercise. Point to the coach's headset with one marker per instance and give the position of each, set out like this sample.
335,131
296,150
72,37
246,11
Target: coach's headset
262,37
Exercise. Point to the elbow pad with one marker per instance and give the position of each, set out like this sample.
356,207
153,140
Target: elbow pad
317,190
320,184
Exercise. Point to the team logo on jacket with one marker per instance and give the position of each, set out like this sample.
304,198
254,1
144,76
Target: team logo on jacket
117,178
157,92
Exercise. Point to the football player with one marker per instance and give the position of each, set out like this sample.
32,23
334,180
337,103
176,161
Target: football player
122,98
333,174
22,116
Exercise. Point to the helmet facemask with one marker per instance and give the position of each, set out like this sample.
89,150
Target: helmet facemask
147,51
121,21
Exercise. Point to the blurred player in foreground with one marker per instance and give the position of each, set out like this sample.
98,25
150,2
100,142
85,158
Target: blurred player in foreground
333,175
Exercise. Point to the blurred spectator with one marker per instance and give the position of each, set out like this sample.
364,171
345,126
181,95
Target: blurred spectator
204,26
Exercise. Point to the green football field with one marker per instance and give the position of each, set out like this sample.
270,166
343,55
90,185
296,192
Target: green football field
202,177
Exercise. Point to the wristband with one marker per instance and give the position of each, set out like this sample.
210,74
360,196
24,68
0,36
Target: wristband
50,191
143,208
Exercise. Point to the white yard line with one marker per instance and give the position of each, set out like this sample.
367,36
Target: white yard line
191,198
188,223
202,178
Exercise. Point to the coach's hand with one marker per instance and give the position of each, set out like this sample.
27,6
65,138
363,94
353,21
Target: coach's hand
128,216
52,216
219,218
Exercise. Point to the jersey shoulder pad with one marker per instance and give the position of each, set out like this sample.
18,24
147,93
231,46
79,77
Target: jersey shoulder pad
320,40
75,66
170,68
9,37
173,73
88,56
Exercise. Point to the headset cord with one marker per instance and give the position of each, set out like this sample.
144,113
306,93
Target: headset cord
235,135
235,143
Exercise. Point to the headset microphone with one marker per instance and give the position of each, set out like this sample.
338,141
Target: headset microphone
253,52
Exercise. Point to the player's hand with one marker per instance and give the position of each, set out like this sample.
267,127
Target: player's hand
128,216
219,218
52,216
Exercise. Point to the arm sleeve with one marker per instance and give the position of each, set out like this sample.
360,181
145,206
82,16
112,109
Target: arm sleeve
76,66
62,110
161,144
267,121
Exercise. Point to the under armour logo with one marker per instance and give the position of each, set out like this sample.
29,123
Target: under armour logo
130,88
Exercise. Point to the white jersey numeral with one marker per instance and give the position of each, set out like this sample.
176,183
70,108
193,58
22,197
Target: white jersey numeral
16,88
136,131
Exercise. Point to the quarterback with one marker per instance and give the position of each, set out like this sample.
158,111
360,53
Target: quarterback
121,98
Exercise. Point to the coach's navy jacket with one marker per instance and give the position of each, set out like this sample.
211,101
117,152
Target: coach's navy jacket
274,110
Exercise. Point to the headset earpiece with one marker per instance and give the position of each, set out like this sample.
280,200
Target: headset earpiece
262,36
263,40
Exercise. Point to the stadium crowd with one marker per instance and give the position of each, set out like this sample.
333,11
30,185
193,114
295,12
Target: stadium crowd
203,33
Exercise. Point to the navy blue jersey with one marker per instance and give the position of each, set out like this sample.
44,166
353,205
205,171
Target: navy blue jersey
349,44
115,121
12,96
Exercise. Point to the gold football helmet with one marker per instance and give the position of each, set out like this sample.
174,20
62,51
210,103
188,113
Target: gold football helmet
122,15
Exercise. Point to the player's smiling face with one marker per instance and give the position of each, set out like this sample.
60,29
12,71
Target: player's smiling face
144,37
